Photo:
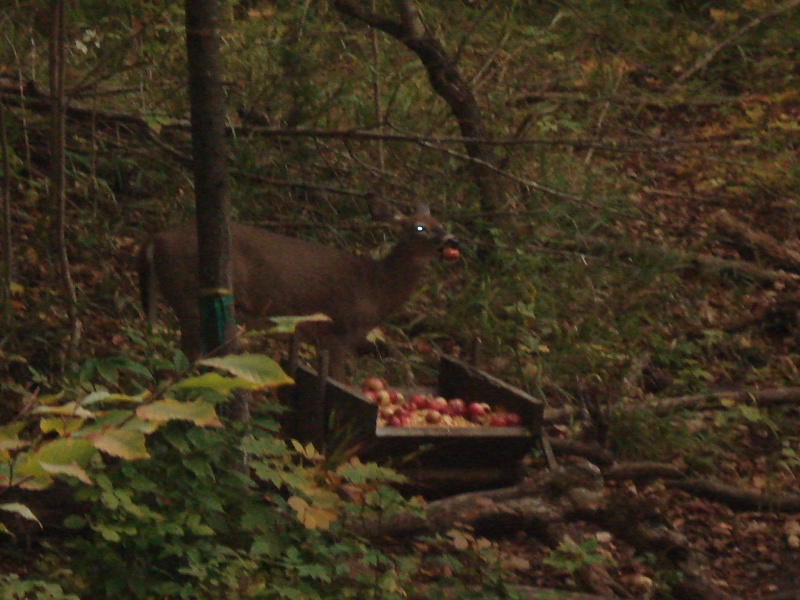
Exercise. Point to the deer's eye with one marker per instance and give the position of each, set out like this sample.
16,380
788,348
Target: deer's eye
419,228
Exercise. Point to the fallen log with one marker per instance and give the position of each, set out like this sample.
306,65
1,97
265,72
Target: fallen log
706,262
643,471
775,396
705,400
761,243
737,498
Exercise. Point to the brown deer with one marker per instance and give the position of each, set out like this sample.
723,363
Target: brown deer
275,275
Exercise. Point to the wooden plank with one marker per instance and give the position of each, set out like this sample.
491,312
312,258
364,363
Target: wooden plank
458,379
312,419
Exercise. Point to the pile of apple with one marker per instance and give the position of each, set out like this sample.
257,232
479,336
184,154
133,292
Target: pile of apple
419,410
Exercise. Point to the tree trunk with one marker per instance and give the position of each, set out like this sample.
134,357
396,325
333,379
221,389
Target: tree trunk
210,166
58,194
5,196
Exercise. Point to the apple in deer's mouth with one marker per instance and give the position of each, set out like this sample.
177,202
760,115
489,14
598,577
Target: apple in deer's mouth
450,254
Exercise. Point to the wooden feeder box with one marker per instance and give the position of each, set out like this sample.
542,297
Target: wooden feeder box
435,459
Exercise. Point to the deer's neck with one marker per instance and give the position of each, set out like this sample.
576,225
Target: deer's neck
398,275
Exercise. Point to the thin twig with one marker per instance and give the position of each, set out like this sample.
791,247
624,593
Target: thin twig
708,57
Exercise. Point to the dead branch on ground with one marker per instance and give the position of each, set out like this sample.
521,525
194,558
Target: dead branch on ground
757,241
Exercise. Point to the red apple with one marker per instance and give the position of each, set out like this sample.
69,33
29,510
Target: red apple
450,254
513,419
498,421
395,397
371,396
387,412
402,412
418,401
433,417
383,398
374,384
457,406
476,410
438,404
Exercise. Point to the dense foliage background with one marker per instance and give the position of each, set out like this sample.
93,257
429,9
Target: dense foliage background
644,246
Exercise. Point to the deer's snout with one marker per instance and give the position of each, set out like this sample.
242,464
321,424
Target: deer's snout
449,241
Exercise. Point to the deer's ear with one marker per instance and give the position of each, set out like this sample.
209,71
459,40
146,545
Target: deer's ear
380,209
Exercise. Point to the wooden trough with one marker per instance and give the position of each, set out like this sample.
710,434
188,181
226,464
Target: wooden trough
437,460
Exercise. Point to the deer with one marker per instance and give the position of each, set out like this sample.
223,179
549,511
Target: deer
278,275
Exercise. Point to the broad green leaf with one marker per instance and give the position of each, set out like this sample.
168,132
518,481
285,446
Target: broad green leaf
72,409
268,545
62,451
61,425
116,419
308,451
216,382
138,369
105,420
312,516
137,424
108,534
127,444
50,398
9,442
199,412
103,396
289,324
751,413
12,443
256,368
12,429
72,469
21,510
36,484
109,372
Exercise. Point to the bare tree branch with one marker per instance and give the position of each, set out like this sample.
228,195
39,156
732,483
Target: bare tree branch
447,82
709,56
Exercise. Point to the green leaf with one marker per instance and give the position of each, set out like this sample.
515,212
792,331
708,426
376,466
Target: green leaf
12,443
70,409
103,396
107,371
62,451
256,368
74,522
216,382
47,399
289,324
268,545
138,369
61,425
127,444
312,516
72,469
199,412
108,534
21,510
